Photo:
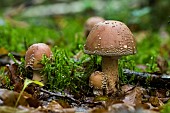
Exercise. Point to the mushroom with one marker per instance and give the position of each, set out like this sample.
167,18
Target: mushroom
90,22
98,81
33,58
111,40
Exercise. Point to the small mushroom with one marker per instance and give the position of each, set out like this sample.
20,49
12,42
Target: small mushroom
98,81
90,22
33,58
111,40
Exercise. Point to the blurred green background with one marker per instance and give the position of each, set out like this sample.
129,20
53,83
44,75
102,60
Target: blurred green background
143,14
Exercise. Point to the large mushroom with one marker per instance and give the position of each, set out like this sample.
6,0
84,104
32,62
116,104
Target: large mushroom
33,58
90,22
111,40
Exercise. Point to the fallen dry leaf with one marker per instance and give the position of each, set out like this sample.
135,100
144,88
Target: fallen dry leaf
121,108
53,106
8,109
15,78
33,102
134,96
155,101
9,98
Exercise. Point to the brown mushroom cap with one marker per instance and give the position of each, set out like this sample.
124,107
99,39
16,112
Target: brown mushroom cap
34,55
110,38
92,21
97,80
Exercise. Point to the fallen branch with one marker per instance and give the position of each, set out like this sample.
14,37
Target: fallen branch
59,95
146,79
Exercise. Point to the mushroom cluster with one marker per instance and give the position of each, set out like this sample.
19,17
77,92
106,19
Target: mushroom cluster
90,22
111,40
33,58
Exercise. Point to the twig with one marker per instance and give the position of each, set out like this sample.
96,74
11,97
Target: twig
60,95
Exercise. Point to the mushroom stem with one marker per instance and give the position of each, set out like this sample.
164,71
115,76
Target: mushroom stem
110,69
38,76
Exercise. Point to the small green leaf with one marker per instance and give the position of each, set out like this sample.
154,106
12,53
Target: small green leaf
26,83
38,83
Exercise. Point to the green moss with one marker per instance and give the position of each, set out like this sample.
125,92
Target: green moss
66,73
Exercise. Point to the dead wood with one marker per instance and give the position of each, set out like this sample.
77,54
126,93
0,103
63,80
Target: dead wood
147,79
59,95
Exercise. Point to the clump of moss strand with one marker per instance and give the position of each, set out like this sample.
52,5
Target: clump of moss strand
66,73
